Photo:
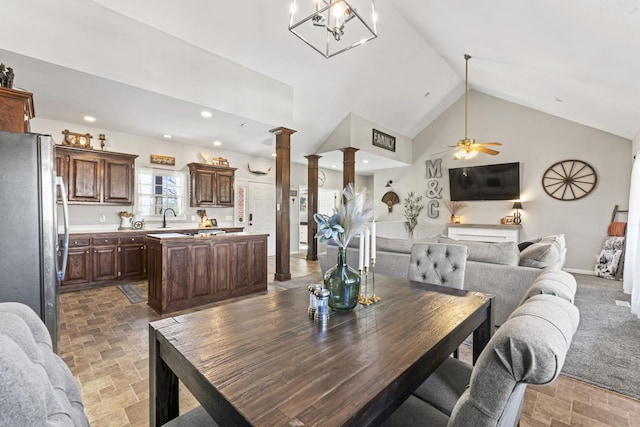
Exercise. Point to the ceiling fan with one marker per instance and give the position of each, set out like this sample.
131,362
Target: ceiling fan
468,148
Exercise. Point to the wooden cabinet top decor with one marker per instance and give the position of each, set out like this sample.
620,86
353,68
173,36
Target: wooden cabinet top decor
92,176
16,109
211,185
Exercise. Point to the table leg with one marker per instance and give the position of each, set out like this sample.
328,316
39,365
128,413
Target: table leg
483,333
163,386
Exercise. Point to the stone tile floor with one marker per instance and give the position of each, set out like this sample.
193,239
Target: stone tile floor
104,340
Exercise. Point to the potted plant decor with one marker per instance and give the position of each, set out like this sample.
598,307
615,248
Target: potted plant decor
412,209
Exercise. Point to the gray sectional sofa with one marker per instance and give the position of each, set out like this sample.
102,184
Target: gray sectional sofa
500,269
36,386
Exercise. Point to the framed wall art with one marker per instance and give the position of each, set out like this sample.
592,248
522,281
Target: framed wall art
162,160
382,140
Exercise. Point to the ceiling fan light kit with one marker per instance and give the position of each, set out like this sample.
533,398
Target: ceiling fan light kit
467,148
331,27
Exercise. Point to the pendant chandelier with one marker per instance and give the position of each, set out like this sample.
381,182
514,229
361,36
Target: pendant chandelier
331,27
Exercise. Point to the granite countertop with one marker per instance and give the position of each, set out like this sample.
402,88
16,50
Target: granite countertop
190,237
149,230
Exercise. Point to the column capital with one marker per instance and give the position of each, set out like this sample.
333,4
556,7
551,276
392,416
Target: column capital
282,130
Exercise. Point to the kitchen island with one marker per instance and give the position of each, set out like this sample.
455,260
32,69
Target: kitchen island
104,258
188,271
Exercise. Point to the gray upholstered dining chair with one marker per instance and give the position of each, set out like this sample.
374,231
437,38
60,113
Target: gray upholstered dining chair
438,263
529,348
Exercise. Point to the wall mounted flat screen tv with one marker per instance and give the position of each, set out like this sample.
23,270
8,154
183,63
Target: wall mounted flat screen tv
489,182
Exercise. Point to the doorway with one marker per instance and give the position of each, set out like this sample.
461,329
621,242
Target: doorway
327,202
261,214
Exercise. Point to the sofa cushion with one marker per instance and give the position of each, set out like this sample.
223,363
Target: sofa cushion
398,245
503,253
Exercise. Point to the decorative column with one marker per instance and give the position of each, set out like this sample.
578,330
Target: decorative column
312,206
349,166
283,184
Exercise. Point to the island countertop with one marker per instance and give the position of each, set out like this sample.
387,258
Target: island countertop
100,232
189,237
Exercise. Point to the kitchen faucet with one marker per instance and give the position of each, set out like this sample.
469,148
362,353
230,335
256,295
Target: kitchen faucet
164,217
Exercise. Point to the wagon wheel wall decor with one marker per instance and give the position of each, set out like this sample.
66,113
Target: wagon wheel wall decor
569,180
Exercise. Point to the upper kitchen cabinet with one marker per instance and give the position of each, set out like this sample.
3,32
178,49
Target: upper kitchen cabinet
16,109
211,185
92,176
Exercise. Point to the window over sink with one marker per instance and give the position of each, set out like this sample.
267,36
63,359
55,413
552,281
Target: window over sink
160,189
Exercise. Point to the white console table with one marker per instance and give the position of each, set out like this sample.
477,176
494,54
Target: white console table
485,232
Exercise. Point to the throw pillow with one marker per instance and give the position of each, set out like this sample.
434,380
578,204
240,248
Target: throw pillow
541,255
524,245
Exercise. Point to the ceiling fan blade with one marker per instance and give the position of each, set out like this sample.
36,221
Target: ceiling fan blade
486,150
489,143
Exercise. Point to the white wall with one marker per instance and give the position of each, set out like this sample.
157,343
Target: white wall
636,143
536,140
355,131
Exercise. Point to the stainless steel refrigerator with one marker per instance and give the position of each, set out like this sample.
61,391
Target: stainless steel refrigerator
32,258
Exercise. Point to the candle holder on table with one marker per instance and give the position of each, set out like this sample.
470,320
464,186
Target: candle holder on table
363,298
374,298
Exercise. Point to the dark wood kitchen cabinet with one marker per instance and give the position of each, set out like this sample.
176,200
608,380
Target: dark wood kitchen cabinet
105,259
84,181
92,176
133,257
186,271
78,271
211,185
16,109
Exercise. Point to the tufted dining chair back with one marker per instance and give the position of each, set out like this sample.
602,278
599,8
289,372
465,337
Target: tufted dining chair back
438,263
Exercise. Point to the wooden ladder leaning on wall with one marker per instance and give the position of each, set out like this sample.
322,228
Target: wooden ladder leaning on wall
615,212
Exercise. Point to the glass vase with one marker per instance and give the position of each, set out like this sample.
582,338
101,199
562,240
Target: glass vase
343,283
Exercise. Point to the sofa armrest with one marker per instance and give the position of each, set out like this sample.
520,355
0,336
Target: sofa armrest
36,386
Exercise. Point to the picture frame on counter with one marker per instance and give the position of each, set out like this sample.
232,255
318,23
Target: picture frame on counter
162,160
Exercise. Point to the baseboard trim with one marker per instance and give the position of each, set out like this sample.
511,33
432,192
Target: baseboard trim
578,271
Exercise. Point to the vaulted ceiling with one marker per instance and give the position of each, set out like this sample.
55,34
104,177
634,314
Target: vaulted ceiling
149,67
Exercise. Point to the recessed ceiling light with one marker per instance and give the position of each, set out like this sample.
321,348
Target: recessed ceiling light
274,155
166,135
217,143
365,161
334,166
206,114
89,118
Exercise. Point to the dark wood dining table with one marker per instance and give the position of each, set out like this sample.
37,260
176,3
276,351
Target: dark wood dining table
261,361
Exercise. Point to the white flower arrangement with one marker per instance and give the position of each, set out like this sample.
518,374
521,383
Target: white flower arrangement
348,220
